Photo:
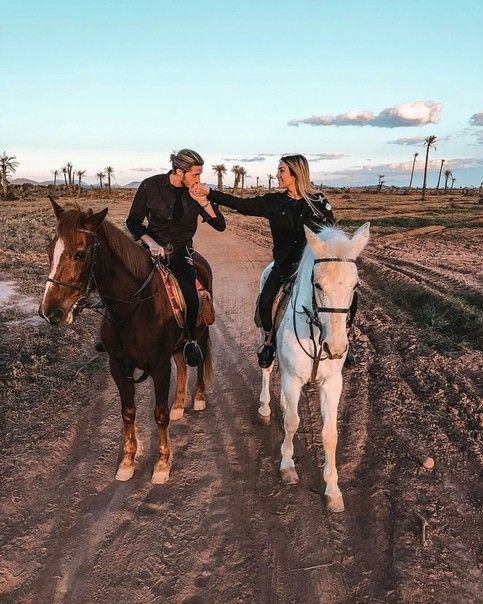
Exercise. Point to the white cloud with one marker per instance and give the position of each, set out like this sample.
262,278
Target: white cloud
418,113
398,172
415,140
323,156
245,159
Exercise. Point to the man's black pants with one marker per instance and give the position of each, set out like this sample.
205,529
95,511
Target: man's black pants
183,268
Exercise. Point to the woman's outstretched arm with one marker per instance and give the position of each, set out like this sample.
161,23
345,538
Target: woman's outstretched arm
249,206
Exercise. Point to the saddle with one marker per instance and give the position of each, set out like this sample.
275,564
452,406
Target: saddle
206,312
279,306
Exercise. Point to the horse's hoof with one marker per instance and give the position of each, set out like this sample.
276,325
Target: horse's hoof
125,472
289,476
199,404
160,476
176,413
264,420
335,503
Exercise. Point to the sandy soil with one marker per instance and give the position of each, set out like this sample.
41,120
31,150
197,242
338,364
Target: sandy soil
224,529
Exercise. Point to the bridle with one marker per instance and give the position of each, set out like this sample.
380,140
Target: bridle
313,318
91,285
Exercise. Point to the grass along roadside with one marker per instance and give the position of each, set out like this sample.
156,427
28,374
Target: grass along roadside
409,222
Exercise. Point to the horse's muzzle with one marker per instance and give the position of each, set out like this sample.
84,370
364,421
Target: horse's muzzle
54,317
333,355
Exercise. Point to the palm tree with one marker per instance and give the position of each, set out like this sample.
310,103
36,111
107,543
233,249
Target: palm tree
8,165
80,174
447,176
64,172
55,173
270,178
452,183
109,171
429,142
236,171
219,170
69,174
258,180
439,176
380,183
412,172
243,174
100,176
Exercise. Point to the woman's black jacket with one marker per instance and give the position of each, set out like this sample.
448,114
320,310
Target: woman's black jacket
287,218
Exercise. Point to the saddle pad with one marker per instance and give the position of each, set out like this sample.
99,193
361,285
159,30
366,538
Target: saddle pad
279,306
206,312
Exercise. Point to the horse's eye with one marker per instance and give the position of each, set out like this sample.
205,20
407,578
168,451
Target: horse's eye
79,256
318,286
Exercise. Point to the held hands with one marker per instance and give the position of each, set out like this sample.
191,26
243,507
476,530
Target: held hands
199,192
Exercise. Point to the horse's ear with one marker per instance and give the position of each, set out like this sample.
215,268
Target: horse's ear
361,238
58,210
316,245
92,223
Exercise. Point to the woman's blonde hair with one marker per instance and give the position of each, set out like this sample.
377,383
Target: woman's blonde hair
299,169
185,159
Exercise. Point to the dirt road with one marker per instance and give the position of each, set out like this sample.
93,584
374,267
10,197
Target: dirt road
224,529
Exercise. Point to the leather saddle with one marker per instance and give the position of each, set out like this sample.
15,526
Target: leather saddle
279,306
206,313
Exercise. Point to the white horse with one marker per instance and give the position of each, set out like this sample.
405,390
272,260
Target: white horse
312,343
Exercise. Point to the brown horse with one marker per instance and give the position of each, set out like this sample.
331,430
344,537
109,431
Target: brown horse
138,330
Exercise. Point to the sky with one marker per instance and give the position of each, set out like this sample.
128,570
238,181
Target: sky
355,86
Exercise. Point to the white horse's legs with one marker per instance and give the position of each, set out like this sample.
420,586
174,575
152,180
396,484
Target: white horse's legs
289,401
329,400
264,409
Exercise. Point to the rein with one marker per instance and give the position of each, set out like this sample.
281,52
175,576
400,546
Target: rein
313,320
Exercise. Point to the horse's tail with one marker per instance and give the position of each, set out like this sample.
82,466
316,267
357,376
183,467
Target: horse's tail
208,362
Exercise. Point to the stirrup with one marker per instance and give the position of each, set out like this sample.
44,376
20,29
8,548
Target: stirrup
192,353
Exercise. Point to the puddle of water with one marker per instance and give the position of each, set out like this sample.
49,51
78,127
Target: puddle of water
11,298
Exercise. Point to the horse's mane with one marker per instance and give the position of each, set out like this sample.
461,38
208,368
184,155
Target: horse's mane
338,244
132,256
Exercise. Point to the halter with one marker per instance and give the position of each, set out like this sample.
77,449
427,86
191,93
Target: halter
91,285
83,301
313,318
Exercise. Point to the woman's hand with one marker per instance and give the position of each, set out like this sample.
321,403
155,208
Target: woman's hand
199,190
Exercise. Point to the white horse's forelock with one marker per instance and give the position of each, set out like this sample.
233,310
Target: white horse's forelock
338,245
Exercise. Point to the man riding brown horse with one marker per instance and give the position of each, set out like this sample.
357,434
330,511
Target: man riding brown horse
172,219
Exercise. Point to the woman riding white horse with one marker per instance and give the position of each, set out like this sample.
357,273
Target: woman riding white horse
312,343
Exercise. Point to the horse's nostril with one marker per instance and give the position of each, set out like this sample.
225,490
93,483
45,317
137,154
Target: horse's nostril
55,316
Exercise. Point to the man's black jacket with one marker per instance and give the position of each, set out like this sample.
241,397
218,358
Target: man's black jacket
287,218
155,201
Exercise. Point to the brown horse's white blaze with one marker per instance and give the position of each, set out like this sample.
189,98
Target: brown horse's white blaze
140,331
325,283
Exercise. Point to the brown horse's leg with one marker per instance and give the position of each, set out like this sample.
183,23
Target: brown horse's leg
161,414
204,372
177,409
126,390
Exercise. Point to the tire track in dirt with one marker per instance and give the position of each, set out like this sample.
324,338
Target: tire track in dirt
439,282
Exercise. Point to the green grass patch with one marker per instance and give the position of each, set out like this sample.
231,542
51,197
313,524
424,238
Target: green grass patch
410,222
453,317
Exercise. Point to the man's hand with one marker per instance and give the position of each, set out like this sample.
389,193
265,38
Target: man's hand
156,250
